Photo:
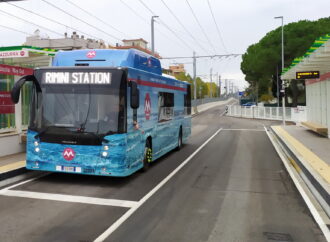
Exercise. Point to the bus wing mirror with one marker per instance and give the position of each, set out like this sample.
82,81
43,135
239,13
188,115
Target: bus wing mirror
135,96
15,92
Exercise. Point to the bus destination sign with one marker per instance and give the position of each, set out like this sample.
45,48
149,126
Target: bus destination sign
307,74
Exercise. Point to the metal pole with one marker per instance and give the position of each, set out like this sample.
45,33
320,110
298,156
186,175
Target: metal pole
211,83
219,85
283,89
195,84
277,88
153,35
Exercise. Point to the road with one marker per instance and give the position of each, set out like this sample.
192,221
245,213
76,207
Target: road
234,188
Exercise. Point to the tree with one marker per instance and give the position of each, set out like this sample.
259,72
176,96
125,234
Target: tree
260,60
203,88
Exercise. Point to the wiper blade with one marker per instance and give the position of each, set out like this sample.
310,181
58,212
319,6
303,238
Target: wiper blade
47,128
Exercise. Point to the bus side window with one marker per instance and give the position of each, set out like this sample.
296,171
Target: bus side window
165,106
187,101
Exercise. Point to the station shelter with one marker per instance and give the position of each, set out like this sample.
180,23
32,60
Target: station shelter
316,61
15,62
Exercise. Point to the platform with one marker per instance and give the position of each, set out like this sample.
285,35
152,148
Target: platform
310,157
12,165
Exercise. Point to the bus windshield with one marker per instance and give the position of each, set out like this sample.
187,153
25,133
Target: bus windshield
65,107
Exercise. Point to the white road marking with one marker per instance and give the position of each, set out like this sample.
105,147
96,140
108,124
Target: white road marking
123,218
69,198
245,130
26,181
299,184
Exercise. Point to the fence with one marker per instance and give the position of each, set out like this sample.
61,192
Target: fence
298,114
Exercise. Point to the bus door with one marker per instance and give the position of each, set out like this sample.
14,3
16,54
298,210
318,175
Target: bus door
135,144
165,131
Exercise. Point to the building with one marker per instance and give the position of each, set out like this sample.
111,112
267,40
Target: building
315,60
72,42
139,44
177,69
135,42
17,61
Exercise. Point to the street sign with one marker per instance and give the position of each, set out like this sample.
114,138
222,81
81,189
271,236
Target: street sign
307,74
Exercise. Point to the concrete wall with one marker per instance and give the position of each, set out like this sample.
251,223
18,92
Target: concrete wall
318,102
10,144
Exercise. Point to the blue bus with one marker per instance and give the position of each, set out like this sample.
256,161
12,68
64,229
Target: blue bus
104,112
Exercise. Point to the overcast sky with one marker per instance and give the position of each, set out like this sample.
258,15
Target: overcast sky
241,23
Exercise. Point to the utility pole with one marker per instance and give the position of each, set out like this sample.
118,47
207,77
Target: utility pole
277,88
219,85
195,84
283,88
153,35
211,83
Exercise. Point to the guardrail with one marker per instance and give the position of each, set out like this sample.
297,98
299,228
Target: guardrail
215,99
298,114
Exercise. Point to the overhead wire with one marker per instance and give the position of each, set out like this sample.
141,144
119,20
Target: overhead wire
166,26
52,20
26,33
179,21
200,26
217,27
79,19
26,21
13,29
146,21
99,19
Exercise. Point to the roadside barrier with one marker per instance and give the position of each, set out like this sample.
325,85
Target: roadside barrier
297,114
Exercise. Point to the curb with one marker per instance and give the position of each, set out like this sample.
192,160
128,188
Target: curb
12,173
309,176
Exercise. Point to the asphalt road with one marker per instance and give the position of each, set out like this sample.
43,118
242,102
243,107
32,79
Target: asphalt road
234,188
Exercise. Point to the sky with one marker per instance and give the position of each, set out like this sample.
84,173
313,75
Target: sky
240,24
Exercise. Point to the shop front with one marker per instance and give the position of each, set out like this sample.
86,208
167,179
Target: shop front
15,62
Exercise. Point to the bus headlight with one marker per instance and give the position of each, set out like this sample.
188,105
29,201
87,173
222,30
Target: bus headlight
104,154
36,143
37,149
106,147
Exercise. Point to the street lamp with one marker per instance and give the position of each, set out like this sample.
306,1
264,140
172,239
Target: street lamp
282,90
153,34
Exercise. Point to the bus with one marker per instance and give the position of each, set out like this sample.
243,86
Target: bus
104,112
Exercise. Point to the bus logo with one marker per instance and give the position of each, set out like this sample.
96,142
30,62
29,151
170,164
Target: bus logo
147,106
91,54
149,62
69,154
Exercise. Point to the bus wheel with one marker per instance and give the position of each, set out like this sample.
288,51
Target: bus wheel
179,140
147,156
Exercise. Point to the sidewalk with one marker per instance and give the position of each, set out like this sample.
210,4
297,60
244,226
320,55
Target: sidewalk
310,157
12,165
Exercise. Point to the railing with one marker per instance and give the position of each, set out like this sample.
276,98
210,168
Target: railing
298,114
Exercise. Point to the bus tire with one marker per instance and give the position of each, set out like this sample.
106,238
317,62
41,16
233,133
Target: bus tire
147,157
179,140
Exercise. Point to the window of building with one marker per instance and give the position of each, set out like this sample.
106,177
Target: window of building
165,106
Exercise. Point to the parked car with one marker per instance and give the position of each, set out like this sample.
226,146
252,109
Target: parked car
249,104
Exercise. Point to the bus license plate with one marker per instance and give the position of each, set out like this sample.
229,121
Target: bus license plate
68,168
